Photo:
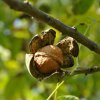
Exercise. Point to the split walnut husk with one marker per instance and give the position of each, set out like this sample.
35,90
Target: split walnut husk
46,60
53,77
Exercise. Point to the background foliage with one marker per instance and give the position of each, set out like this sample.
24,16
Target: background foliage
16,30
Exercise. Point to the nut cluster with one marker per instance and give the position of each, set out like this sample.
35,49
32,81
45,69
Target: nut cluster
45,58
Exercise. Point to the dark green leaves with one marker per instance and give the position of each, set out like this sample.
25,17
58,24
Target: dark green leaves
82,6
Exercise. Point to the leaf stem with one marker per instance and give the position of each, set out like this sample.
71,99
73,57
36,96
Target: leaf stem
55,90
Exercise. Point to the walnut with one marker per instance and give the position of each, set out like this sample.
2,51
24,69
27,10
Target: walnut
46,58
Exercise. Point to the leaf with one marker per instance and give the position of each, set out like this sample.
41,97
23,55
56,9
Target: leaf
45,8
16,46
14,87
4,41
68,97
82,27
82,6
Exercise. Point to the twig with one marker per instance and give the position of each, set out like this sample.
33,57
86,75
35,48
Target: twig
69,73
41,16
83,70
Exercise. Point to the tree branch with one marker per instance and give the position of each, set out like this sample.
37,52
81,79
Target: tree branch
69,73
83,70
41,16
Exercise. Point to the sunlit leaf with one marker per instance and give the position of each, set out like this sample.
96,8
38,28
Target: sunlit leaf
68,97
15,87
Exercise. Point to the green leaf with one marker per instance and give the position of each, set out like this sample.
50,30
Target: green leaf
68,97
14,88
82,6
16,46
4,41
83,28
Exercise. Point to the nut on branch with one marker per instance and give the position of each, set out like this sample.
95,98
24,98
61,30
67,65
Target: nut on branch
48,58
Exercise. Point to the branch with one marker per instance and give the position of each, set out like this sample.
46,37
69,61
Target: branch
83,70
69,73
41,16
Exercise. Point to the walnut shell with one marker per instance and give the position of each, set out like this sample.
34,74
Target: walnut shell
68,61
69,46
34,44
48,37
48,59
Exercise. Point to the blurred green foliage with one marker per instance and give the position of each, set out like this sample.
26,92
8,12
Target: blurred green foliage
16,30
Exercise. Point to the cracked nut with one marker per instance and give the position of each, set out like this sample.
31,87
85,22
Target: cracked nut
48,59
45,59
